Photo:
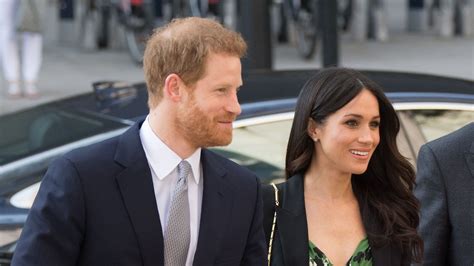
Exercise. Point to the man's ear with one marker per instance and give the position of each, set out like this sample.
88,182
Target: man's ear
313,131
172,88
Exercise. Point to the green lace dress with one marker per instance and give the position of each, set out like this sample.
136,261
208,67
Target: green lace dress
362,255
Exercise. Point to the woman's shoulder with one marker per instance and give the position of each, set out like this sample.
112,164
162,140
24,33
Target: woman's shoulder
294,180
292,188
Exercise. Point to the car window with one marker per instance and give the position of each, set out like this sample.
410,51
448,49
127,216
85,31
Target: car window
409,138
261,148
437,123
25,133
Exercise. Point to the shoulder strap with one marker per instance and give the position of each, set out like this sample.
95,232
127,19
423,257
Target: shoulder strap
273,223
268,210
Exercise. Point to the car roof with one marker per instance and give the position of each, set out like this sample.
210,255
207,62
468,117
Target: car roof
265,85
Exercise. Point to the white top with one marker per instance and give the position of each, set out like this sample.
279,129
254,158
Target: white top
163,164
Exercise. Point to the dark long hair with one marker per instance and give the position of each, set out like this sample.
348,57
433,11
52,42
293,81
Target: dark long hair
387,185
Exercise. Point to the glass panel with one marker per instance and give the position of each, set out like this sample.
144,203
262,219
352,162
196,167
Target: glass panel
437,123
261,148
410,138
25,133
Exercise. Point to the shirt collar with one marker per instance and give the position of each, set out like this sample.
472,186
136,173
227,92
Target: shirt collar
161,158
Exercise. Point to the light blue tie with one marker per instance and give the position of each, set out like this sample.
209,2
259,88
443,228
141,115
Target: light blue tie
177,234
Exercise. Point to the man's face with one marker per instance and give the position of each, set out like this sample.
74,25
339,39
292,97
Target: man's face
211,105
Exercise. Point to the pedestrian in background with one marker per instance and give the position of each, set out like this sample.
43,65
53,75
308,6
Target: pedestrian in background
20,31
445,188
348,197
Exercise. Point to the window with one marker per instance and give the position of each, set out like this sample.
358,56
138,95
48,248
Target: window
43,128
437,123
261,148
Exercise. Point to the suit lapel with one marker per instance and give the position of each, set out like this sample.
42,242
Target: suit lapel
216,209
136,186
292,225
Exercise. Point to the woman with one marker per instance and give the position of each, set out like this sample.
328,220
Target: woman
348,196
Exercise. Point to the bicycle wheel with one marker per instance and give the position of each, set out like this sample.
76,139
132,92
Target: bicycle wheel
304,15
139,26
136,42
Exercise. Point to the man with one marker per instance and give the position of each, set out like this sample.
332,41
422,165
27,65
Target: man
445,187
155,195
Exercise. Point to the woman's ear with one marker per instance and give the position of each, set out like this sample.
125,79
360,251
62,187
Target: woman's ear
313,129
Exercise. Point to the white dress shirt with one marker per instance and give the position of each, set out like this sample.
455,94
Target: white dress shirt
163,164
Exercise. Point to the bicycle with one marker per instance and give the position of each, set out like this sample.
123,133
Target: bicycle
152,13
139,18
135,16
304,15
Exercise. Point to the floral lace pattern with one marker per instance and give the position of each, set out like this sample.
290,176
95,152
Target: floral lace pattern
362,255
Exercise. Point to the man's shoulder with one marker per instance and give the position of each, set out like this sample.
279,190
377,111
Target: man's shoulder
93,153
125,143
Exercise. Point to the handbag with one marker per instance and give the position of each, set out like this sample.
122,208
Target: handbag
270,243
28,19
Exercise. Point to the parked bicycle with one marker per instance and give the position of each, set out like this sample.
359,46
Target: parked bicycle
135,16
139,22
140,17
305,16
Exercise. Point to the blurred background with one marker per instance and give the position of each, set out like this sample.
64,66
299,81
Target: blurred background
91,40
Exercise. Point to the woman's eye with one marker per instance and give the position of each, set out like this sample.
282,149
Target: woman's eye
352,123
375,124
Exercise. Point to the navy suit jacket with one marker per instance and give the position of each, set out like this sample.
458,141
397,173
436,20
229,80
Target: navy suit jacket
96,206
445,187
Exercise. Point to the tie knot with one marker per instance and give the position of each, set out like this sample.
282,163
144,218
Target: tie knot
183,170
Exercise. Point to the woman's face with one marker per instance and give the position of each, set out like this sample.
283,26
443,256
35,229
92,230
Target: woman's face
348,137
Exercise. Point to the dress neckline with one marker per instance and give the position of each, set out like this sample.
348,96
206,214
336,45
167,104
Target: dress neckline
362,251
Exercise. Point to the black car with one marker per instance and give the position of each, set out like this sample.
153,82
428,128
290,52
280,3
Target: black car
428,106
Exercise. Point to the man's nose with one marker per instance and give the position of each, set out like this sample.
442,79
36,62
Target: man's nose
233,105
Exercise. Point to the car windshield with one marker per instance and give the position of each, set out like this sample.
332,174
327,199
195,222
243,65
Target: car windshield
45,127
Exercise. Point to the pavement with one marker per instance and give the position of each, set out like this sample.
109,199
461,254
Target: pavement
68,70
